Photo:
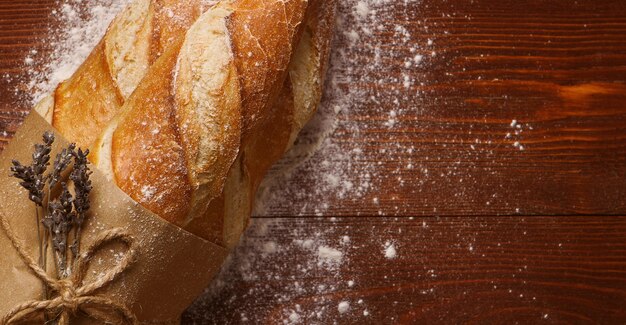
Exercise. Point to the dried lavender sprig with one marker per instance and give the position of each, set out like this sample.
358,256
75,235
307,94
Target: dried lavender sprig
59,224
61,162
41,161
30,182
41,156
33,181
32,176
82,188
82,183
66,199
64,214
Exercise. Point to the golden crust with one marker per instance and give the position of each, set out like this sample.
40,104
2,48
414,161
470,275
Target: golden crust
179,132
83,107
264,33
227,216
150,156
208,107
147,160
127,44
308,67
172,19
156,147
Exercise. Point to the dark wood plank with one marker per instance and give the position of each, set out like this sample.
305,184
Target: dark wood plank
555,67
447,270
24,26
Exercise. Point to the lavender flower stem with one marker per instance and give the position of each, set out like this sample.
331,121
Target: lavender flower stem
76,250
61,269
45,250
39,239
44,292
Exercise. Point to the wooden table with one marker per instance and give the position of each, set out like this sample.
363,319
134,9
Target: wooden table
484,232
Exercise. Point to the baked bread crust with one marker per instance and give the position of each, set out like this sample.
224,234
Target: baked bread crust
177,135
82,106
297,101
188,126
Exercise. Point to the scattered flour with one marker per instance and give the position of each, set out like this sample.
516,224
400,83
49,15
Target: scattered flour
346,175
329,255
294,318
270,247
390,250
343,307
78,28
362,10
147,192
516,134
260,263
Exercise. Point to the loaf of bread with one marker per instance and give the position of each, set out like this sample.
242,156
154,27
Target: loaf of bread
228,214
188,118
83,105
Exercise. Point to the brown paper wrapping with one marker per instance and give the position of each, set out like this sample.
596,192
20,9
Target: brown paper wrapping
172,265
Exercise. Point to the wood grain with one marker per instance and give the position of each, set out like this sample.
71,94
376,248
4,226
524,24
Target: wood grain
447,270
556,67
24,27
522,236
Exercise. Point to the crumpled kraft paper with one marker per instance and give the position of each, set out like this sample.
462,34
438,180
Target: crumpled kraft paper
172,266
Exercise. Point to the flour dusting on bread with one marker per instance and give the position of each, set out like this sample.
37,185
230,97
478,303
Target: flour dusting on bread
206,89
127,45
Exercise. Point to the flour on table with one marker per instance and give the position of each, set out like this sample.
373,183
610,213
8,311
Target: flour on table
516,134
347,175
390,250
343,307
258,262
329,255
78,28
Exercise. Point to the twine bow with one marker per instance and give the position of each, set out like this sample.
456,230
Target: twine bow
72,294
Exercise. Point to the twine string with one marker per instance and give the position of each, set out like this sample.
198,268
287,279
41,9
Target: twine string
72,294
